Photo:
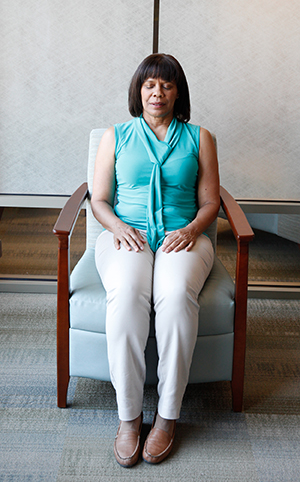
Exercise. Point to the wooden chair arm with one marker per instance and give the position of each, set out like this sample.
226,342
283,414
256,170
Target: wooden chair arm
238,222
68,215
63,230
243,235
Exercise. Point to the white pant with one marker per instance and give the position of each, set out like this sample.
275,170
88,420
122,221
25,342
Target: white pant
132,281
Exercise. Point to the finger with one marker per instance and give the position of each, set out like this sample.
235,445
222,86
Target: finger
180,246
125,243
140,241
134,243
139,235
168,241
176,245
139,238
190,246
166,245
116,243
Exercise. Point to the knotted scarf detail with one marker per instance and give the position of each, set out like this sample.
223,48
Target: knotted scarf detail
158,152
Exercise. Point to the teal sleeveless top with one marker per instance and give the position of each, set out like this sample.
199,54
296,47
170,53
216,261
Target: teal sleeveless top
156,181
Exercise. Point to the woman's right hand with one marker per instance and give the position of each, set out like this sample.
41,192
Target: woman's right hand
129,237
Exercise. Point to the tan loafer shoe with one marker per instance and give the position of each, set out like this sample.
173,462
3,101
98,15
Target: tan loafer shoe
127,446
158,445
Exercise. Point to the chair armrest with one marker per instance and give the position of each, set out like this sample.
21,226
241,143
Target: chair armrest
69,214
63,230
238,222
243,234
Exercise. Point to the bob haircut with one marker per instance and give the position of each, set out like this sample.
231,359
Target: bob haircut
167,68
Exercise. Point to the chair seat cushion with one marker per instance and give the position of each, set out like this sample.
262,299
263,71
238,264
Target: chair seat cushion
88,299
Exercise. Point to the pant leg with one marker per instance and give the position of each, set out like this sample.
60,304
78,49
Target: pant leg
177,282
127,279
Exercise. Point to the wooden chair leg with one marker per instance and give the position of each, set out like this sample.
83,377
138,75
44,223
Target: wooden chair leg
239,353
240,321
237,391
63,373
62,389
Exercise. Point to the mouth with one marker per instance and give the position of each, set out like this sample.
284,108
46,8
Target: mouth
157,104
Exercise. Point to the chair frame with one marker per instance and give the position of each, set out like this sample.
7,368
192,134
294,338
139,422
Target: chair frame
63,230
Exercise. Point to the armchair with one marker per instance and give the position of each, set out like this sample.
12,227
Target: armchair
81,304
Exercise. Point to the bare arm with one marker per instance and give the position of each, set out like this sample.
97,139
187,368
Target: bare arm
103,196
208,198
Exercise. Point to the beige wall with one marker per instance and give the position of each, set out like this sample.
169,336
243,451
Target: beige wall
242,59
65,68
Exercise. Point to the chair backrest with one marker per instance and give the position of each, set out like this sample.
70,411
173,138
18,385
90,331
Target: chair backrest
93,227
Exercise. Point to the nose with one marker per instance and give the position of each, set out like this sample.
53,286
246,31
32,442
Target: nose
158,92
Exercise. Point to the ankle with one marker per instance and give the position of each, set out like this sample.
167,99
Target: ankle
131,425
164,424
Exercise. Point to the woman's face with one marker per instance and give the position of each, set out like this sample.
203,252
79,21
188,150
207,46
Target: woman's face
158,97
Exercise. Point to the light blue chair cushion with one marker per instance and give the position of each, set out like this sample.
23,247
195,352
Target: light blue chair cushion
212,359
88,300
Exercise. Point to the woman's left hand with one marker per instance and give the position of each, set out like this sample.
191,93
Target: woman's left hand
184,238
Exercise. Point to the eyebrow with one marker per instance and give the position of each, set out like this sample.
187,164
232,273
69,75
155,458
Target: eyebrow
151,79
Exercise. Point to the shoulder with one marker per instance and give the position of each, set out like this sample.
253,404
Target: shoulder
191,132
107,142
192,128
122,133
207,140
205,134
109,135
113,134
207,152
124,127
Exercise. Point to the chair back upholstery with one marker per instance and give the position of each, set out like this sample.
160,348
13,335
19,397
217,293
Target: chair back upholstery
93,227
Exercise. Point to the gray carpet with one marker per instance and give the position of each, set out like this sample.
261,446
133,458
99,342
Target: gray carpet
39,442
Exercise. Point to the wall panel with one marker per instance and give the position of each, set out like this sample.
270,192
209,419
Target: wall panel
242,60
65,69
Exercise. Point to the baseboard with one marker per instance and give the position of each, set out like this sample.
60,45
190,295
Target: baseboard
274,290
28,284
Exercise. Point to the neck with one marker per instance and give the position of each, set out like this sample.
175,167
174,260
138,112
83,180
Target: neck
159,125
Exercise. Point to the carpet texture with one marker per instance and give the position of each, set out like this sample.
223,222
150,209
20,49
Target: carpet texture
39,442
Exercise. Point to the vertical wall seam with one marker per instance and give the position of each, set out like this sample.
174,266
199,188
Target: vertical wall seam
155,26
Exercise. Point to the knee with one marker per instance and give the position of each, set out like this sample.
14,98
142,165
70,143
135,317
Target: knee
129,293
127,313
177,311
175,296
124,329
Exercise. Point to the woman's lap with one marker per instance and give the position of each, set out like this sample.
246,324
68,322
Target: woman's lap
158,271
132,280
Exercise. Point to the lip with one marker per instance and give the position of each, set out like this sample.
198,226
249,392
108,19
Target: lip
157,104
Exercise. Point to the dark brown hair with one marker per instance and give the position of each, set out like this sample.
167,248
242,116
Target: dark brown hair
167,68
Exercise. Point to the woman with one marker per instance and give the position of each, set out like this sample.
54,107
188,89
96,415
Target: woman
163,173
